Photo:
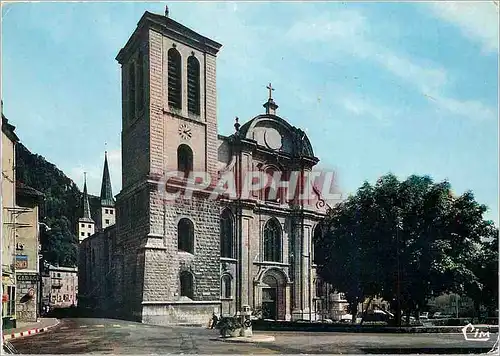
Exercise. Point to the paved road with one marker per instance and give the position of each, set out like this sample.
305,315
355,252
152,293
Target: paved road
109,336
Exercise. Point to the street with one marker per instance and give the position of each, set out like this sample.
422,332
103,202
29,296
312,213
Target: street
109,336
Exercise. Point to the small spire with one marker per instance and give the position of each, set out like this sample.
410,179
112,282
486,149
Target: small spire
270,105
86,204
106,190
236,124
166,10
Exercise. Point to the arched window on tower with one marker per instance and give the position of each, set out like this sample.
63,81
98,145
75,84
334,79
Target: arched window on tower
184,159
272,241
174,79
185,235
140,81
226,286
193,85
186,284
226,234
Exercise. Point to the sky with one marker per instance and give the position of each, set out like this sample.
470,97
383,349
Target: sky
407,88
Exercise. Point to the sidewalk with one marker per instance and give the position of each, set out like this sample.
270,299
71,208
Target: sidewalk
26,329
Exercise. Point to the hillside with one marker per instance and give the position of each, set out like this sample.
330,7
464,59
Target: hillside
60,210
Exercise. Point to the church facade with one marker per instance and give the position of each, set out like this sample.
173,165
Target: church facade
176,261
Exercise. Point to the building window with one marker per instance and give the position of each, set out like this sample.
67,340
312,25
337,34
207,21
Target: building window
90,226
58,275
88,233
140,81
131,90
184,159
226,234
105,211
270,194
193,85
83,225
174,79
226,286
82,233
185,234
319,287
111,211
272,241
186,280
106,221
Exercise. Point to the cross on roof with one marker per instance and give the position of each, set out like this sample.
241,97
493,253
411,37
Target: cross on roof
270,87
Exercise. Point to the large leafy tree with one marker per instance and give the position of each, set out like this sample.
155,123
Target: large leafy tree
403,241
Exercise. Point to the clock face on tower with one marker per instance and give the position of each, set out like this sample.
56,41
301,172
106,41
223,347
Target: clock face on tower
184,131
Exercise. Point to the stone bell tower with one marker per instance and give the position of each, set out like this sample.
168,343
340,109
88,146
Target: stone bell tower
169,250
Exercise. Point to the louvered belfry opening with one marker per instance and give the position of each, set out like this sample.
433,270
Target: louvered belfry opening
140,81
193,85
174,79
131,90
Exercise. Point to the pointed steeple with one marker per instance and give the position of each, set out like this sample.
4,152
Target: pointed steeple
86,204
106,190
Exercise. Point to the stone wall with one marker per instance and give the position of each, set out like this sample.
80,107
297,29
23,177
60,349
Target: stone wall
164,263
26,297
179,313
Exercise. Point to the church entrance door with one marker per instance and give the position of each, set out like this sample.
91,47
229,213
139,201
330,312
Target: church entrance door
269,305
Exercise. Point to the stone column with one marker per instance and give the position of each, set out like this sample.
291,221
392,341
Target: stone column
245,278
297,267
306,276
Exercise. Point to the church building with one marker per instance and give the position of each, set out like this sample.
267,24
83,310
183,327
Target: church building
177,261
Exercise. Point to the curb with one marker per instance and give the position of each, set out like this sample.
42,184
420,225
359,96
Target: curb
29,332
247,340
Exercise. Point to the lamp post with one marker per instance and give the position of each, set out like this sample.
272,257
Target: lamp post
398,288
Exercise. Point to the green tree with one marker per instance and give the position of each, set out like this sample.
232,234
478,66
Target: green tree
61,208
403,241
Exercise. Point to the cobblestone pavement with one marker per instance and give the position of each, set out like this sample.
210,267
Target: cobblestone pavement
108,336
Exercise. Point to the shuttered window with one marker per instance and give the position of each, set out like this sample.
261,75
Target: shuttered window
174,79
193,85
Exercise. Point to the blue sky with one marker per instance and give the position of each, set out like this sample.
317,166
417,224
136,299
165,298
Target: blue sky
408,88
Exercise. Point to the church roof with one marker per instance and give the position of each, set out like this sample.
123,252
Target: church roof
171,29
301,146
106,190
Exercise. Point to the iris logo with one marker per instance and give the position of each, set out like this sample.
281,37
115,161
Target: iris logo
472,333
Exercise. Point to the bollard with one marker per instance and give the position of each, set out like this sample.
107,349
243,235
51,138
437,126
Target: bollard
246,312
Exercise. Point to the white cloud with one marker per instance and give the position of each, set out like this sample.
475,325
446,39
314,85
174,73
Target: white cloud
347,33
468,108
477,20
